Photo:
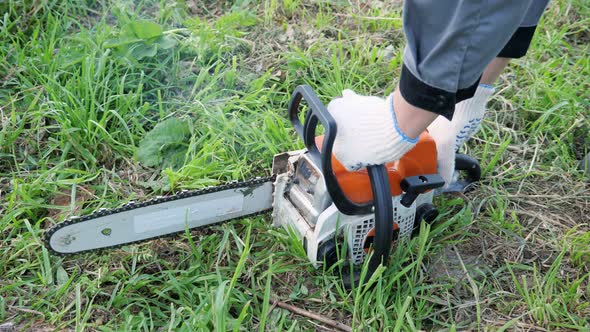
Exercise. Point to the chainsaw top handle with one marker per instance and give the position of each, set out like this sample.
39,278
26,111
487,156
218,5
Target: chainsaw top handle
317,113
381,205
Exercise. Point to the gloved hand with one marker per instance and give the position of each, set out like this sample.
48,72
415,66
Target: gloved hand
469,114
367,131
451,135
441,130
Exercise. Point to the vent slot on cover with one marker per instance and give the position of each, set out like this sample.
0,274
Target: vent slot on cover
360,232
403,217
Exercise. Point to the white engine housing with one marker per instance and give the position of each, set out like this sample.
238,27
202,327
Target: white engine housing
301,203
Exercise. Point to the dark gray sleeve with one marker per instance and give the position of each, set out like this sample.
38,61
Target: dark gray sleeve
449,44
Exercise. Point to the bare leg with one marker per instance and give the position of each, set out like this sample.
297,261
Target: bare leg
493,70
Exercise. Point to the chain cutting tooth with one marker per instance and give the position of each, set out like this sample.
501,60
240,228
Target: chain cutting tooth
129,204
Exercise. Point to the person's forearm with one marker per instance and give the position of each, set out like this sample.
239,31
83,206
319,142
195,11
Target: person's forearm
411,120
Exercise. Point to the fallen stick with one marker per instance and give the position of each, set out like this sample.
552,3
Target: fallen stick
308,314
25,310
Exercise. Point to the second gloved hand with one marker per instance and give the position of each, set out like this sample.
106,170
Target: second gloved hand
451,135
367,131
441,130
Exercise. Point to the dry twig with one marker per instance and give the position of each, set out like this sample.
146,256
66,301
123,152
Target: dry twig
311,315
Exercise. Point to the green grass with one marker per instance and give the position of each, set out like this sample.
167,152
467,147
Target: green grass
84,83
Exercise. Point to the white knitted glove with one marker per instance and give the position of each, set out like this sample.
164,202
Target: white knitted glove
469,113
451,135
441,131
367,131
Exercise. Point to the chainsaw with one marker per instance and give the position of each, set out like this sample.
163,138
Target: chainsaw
309,192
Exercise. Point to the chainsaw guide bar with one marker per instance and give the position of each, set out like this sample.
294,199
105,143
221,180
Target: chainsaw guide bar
250,186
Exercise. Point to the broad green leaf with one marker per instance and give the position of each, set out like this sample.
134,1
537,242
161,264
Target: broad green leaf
165,145
143,29
119,42
61,276
173,155
142,50
166,42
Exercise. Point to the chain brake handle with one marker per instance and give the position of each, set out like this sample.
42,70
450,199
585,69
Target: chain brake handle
381,206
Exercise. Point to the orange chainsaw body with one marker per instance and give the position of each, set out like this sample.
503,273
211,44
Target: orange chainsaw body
418,161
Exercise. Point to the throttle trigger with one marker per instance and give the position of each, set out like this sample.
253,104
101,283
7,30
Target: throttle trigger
419,184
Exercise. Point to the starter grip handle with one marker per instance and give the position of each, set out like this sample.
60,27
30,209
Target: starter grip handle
381,206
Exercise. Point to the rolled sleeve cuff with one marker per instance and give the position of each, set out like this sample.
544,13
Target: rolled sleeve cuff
424,96
519,43
430,98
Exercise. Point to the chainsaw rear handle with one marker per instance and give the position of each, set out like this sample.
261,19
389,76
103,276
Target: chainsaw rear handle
470,165
317,113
